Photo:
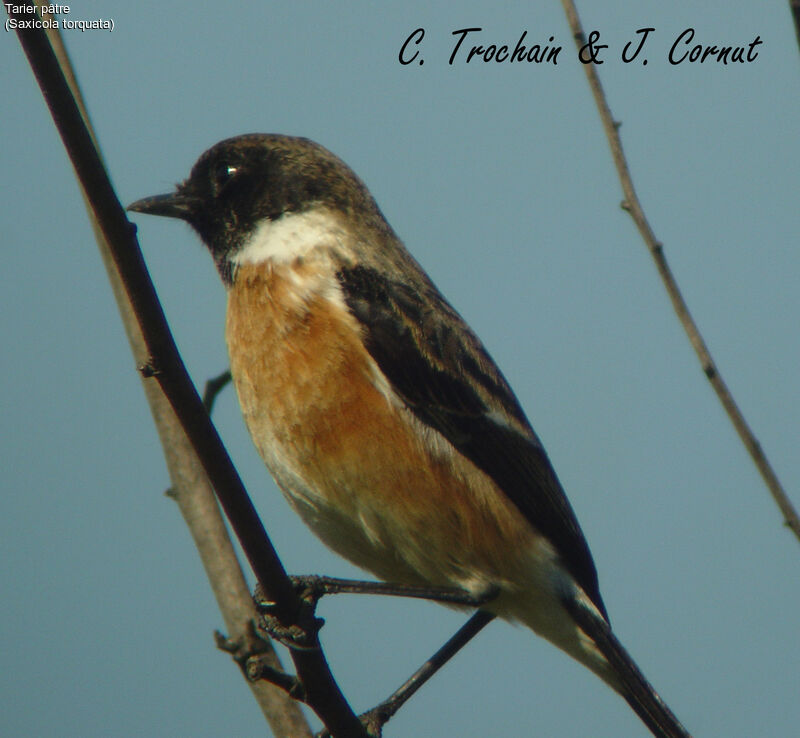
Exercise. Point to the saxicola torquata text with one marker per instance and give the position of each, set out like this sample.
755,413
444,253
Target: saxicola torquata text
378,411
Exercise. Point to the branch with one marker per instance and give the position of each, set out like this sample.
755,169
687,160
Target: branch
164,363
213,387
191,489
632,205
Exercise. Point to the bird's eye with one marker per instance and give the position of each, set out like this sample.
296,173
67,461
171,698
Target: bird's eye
224,172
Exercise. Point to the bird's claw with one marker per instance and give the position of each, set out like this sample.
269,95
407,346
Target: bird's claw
300,635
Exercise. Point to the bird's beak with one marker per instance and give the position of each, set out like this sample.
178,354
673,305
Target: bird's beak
173,205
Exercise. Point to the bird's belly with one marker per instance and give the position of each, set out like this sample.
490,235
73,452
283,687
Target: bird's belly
374,483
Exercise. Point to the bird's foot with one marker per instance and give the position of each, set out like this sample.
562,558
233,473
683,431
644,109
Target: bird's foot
300,635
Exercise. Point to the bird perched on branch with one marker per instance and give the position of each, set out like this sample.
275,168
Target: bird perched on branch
378,411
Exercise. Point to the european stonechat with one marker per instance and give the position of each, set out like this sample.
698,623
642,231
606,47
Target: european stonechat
378,411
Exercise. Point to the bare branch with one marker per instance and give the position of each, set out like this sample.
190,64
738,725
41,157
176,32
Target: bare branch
634,208
191,489
190,486
322,692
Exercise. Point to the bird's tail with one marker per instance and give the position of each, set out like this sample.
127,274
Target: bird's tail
632,685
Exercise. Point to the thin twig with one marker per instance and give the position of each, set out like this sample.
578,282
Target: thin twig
323,694
634,208
213,387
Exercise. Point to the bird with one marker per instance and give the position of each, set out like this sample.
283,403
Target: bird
378,411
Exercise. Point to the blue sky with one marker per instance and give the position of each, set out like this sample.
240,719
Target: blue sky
499,180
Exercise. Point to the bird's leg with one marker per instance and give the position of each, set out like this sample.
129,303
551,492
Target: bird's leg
378,716
312,587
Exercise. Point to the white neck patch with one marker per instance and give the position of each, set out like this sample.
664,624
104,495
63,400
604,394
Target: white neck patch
290,236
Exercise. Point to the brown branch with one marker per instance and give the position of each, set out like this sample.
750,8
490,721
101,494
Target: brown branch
191,489
634,208
164,363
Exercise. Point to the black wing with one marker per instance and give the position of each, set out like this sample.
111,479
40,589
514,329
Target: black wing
445,376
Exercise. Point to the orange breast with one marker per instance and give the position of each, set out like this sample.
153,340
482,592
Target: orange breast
373,482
